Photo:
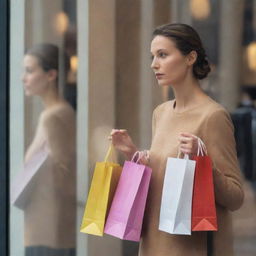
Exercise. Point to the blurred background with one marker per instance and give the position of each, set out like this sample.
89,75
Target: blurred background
109,84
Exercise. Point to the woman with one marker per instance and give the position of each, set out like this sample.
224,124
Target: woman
50,210
179,61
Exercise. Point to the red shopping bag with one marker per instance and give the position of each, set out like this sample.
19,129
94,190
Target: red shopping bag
203,203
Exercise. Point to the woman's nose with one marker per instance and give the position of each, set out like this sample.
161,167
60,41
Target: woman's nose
154,64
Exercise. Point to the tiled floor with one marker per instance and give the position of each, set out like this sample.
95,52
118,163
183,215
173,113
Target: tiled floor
244,224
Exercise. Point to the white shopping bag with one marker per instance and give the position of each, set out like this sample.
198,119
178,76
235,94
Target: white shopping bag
175,213
23,182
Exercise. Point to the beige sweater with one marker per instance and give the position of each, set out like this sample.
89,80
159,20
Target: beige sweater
50,215
212,124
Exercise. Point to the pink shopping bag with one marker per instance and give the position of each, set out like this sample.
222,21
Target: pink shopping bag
127,210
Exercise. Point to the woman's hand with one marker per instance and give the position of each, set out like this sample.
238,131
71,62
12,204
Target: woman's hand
123,142
188,143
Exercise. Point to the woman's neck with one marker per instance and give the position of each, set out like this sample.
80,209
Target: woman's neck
187,94
51,97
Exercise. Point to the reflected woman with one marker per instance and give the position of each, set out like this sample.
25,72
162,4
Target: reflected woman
51,208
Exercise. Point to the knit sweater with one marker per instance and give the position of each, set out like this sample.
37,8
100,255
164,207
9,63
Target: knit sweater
211,122
50,215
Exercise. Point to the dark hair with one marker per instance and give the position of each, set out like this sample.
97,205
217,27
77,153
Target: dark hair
47,55
187,40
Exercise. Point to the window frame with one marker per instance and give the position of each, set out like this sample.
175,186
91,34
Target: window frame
4,127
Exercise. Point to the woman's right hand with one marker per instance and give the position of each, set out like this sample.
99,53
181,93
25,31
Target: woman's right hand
123,142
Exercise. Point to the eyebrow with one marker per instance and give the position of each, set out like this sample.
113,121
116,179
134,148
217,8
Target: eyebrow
159,50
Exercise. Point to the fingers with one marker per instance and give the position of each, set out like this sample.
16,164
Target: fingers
188,143
186,151
186,148
113,131
120,131
116,133
185,140
188,135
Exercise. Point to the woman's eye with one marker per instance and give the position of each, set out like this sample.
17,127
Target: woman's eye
162,54
28,70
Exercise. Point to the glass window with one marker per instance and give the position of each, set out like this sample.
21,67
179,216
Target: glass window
43,127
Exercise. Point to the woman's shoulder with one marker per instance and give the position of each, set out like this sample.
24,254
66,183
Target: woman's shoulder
163,106
216,116
62,113
215,109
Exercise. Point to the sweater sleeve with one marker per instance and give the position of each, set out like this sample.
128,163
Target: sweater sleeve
220,143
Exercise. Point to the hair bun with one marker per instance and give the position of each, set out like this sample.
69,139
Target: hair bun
201,68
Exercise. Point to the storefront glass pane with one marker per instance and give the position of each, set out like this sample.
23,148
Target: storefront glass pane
43,127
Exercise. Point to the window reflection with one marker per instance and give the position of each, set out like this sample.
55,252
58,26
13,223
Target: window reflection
48,197
50,209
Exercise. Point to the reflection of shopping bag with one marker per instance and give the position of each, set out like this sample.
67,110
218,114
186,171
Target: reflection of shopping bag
127,209
203,204
175,212
23,184
103,185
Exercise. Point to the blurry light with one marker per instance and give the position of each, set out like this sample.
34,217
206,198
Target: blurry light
61,22
251,56
73,69
74,63
200,9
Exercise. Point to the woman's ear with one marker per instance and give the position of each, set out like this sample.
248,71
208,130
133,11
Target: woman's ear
191,58
52,75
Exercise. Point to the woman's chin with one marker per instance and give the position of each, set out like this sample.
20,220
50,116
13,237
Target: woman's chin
29,93
163,84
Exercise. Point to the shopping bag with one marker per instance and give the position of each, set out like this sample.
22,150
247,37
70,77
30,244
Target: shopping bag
24,182
203,204
127,210
175,211
103,185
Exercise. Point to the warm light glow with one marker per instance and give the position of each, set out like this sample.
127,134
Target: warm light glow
61,22
74,63
251,56
200,9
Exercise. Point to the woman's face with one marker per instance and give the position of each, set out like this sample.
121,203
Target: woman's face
169,64
35,79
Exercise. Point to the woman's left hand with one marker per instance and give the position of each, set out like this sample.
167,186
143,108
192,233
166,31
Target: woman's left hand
188,143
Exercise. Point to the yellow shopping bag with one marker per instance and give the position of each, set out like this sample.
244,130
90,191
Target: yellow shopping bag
103,185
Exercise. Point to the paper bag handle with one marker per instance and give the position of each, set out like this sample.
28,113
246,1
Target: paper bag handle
201,148
139,155
186,156
109,153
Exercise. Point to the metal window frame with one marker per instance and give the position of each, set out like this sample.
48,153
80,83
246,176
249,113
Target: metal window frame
4,127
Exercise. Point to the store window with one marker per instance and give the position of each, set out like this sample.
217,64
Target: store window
43,128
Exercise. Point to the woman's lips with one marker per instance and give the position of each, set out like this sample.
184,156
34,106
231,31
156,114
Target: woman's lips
159,76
